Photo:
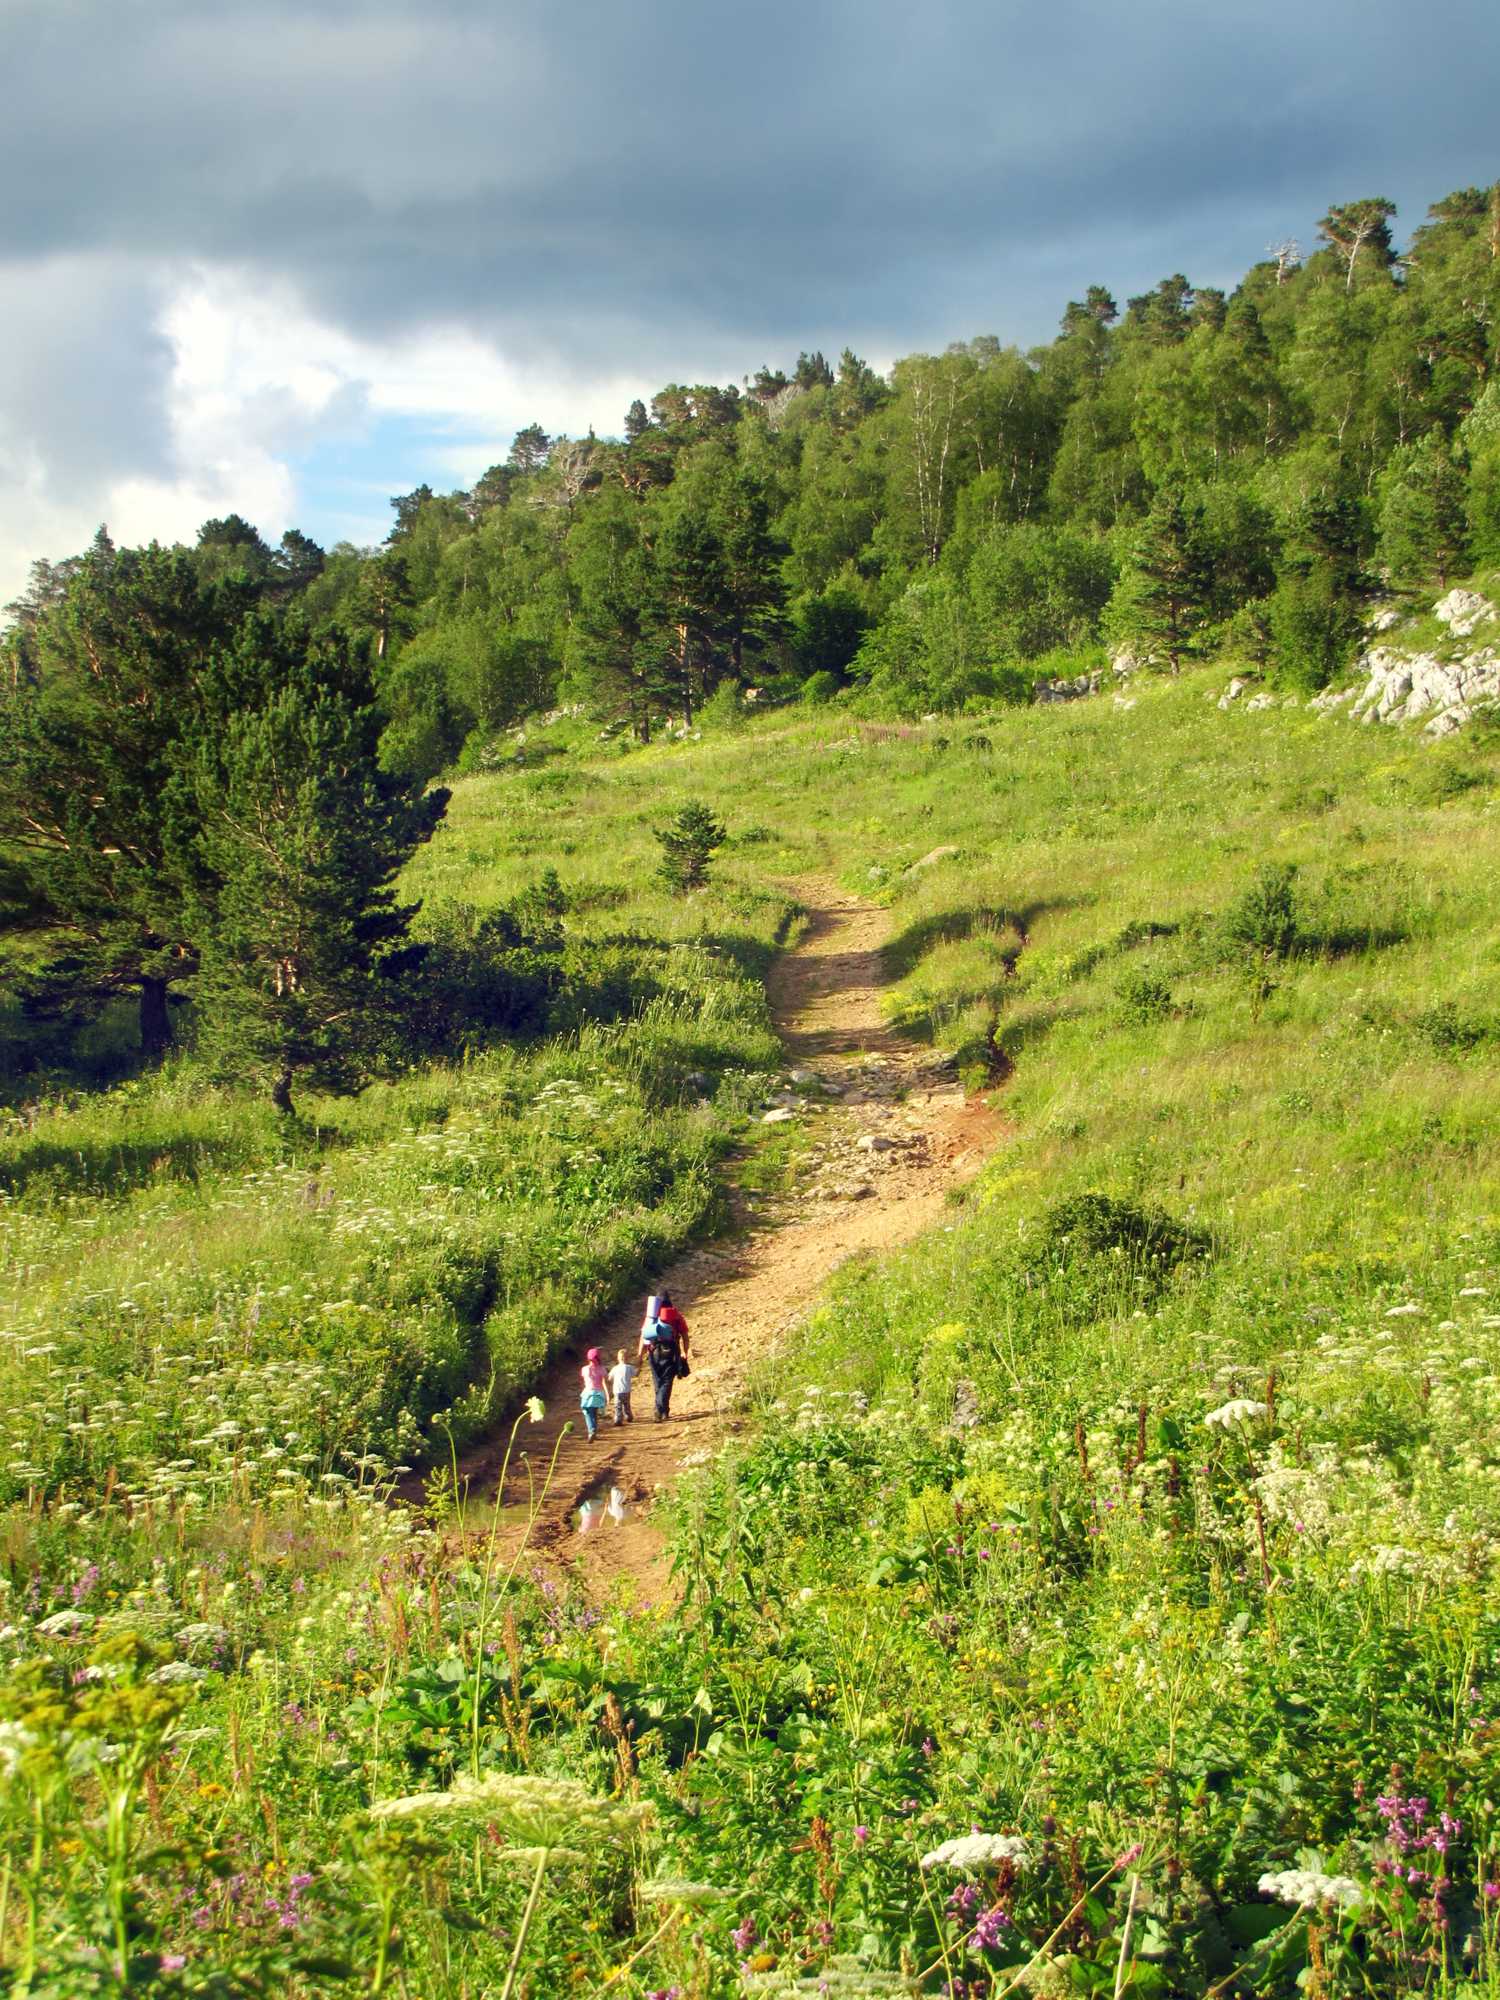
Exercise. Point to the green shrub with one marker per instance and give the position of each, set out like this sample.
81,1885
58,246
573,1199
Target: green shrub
1264,919
1143,998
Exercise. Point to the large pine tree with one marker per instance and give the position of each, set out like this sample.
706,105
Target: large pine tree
90,740
298,838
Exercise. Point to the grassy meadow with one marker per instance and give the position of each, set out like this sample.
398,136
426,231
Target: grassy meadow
1100,1594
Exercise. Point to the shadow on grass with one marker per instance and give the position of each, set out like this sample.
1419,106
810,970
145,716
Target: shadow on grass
902,954
115,1166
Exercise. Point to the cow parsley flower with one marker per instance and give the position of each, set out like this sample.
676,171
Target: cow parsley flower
974,1850
1242,1410
1306,1886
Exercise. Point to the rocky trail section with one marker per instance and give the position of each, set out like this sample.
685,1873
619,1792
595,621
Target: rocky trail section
892,1131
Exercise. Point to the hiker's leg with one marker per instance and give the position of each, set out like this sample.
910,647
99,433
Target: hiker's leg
591,1419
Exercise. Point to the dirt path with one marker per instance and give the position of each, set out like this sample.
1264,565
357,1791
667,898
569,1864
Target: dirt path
891,1132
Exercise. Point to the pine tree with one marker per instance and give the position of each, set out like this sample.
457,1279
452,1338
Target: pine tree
300,836
1424,516
688,845
91,744
1162,597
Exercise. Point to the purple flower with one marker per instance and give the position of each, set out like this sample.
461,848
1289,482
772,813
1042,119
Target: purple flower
822,1931
746,1937
989,1931
928,1747
861,1835
984,1555
1492,1890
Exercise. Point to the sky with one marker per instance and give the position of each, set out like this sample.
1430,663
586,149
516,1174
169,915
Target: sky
294,257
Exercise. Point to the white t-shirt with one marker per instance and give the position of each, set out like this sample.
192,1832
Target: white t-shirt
620,1378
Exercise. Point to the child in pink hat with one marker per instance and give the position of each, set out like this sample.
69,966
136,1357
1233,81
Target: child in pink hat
593,1398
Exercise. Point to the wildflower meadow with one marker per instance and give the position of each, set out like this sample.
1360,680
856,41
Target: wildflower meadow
1096,1596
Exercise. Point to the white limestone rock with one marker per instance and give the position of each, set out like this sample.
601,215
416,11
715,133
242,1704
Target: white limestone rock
1463,610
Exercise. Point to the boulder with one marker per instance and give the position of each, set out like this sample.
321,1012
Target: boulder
931,860
1462,610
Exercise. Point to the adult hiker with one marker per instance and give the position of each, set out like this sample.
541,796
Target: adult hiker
664,1342
593,1399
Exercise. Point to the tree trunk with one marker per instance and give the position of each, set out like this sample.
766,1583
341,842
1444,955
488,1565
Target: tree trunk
281,1091
687,679
736,648
156,1022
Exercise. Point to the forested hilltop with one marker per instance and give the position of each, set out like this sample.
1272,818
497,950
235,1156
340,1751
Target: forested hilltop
1191,472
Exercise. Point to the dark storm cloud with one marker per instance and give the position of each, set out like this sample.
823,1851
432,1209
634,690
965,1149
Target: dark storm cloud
82,393
621,184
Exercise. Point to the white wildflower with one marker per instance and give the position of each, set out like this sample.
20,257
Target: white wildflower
1306,1886
62,1624
535,1409
551,1814
14,1743
1401,1312
175,1672
1243,1410
668,1889
1389,1559
975,1850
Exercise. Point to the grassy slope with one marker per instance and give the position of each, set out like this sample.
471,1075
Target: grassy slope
1071,1613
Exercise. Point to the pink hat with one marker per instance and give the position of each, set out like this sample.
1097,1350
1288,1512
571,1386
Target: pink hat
593,1354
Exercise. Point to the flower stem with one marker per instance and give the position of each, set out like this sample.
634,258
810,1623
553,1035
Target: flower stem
530,1911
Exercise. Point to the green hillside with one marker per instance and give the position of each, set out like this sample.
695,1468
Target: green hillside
1096,1596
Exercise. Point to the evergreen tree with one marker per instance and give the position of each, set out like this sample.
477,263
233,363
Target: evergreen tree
1424,515
92,807
618,655
1162,596
1355,227
299,837
528,453
694,592
688,844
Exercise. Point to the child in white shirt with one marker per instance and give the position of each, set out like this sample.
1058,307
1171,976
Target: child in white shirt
620,1378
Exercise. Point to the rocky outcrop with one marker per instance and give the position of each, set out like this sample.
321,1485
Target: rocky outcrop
1403,688
1067,690
1462,611
1121,666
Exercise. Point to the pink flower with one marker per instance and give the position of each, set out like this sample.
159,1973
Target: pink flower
173,1962
861,1835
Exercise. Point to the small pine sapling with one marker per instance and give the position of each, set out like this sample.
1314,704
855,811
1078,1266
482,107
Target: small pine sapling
688,845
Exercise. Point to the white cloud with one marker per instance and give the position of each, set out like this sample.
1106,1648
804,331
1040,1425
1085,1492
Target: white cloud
233,392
